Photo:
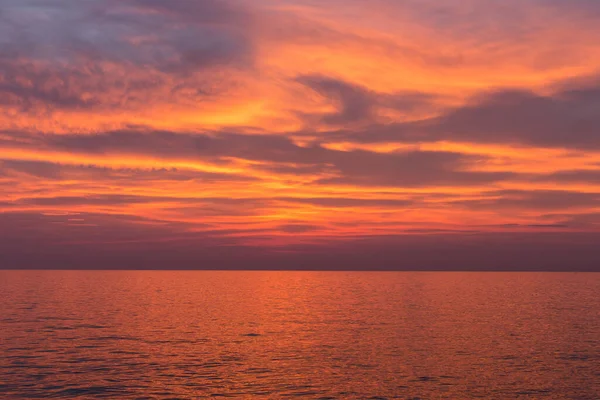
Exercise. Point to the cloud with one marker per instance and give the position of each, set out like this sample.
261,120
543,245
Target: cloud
411,168
53,170
298,228
566,118
33,87
23,87
538,200
94,57
583,8
112,199
581,176
343,202
155,246
580,220
402,134
213,12
167,35
132,54
356,104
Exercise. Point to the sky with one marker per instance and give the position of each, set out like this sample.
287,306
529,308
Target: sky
300,134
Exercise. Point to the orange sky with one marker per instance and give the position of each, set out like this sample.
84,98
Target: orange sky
290,126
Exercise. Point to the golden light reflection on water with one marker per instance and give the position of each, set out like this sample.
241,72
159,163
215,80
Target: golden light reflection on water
303,334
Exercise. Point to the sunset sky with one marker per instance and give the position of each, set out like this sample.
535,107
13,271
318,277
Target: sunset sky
379,134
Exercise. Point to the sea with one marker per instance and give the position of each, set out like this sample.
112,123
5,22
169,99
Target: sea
305,335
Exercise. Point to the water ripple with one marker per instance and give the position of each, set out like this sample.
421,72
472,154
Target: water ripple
153,335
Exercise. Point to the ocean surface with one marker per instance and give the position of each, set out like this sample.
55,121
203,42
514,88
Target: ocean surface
313,335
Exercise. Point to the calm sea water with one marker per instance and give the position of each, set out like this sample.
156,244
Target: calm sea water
321,335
